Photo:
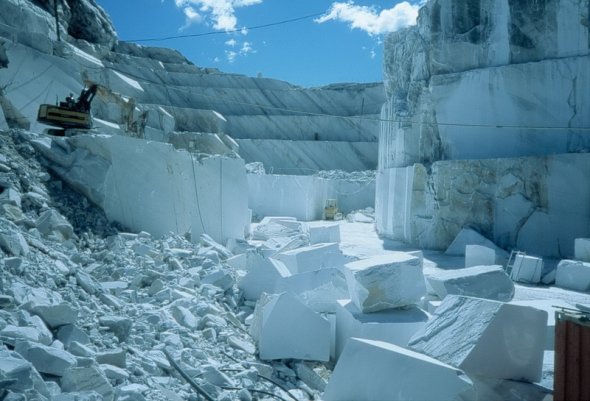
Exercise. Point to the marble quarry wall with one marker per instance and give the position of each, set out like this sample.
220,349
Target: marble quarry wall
150,186
304,197
260,113
488,125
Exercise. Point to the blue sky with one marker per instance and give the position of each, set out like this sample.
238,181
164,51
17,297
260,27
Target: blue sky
344,44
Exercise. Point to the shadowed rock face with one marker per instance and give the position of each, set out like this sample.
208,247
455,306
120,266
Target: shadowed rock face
81,19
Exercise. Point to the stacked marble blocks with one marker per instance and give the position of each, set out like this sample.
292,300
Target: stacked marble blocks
490,282
387,281
486,338
374,370
284,328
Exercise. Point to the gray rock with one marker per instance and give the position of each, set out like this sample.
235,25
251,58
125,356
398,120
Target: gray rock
120,326
87,379
45,359
80,350
55,315
10,334
19,370
14,243
13,263
116,357
219,279
51,222
70,332
11,196
185,317
114,372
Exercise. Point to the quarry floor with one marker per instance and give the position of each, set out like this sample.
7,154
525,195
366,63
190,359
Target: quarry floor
361,240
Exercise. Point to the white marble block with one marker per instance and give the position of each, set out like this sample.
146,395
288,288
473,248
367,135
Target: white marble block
486,338
479,255
550,306
386,281
313,257
573,275
287,329
371,370
261,275
527,269
323,232
489,282
394,326
582,249
320,289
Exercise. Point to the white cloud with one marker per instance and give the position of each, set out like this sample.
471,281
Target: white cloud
370,20
192,17
221,13
246,49
231,43
231,55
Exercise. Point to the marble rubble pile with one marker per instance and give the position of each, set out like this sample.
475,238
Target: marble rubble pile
90,312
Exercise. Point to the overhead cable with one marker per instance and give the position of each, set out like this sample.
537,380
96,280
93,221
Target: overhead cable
210,33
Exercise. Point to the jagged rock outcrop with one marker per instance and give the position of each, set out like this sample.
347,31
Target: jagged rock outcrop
80,19
482,79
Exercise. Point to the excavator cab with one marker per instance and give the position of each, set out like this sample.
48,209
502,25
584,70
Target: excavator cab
69,114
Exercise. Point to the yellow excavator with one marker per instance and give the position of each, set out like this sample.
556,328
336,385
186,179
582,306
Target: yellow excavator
73,113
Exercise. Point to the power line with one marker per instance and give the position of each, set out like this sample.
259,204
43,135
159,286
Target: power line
360,117
249,28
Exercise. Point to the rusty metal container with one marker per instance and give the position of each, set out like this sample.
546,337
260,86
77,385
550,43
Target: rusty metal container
572,356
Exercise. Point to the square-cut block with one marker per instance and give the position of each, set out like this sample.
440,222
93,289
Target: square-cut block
582,249
490,282
479,255
287,329
573,275
385,281
374,370
485,338
527,269
313,257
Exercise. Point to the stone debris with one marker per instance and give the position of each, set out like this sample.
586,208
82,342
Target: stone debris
527,269
490,282
395,326
375,370
573,275
482,338
96,307
386,281
582,249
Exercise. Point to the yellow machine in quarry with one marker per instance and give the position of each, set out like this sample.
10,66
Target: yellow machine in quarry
70,113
